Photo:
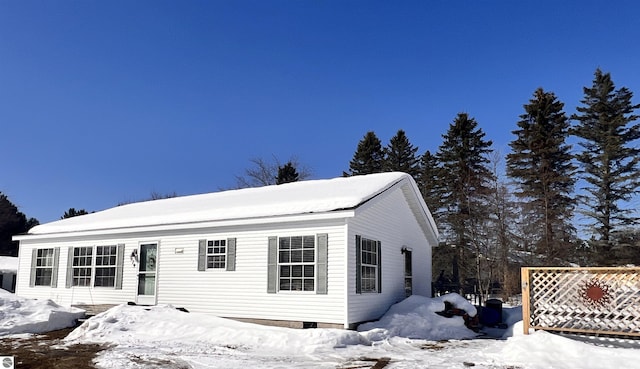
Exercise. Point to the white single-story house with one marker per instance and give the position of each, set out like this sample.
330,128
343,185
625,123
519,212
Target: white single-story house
8,272
325,253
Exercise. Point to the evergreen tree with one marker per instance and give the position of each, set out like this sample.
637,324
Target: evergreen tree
608,159
12,222
287,174
368,158
428,182
627,246
72,212
31,222
465,177
540,163
401,156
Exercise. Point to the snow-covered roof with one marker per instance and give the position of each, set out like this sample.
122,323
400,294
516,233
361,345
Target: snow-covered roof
314,196
8,264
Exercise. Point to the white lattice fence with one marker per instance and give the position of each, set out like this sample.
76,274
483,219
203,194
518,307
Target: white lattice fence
603,301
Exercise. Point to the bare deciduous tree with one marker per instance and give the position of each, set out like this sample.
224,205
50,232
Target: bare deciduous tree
265,173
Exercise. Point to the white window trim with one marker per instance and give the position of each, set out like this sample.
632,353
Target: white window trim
94,266
302,263
108,266
41,267
214,254
374,258
86,266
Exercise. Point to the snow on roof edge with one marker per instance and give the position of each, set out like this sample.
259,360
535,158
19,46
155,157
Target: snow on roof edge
313,196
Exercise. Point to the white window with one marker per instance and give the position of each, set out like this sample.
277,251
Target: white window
43,267
296,263
82,266
95,266
106,262
216,254
369,265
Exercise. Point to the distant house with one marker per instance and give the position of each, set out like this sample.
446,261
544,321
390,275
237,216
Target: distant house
326,253
8,271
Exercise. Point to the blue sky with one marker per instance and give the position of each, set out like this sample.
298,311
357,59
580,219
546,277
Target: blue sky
103,102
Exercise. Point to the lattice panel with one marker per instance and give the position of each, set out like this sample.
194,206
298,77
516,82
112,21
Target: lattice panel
587,300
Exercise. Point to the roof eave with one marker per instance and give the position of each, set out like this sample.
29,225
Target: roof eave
336,214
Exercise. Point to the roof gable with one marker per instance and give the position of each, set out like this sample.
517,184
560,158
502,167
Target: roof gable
314,196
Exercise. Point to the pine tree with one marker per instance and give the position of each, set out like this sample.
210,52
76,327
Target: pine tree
368,158
401,156
540,163
608,159
72,212
287,174
465,177
429,183
465,171
12,222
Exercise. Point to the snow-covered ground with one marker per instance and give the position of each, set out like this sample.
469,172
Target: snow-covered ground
410,335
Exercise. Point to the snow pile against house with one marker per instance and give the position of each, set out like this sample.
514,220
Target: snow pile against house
138,325
416,317
19,315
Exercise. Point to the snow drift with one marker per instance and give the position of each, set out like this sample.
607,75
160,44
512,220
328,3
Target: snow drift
19,315
415,317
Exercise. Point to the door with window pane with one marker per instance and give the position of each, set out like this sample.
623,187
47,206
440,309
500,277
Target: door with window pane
408,273
147,270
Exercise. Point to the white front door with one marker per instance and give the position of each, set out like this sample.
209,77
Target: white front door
147,267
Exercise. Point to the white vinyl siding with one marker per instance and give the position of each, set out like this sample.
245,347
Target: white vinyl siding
243,293
373,221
